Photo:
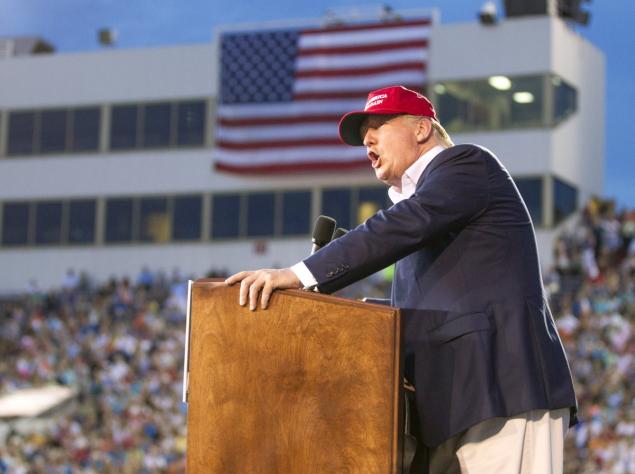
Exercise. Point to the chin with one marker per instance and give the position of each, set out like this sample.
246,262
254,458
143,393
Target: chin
381,175
384,180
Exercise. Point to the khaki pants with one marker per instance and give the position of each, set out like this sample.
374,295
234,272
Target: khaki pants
530,443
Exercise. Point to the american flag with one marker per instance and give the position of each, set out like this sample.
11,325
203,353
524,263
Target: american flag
282,92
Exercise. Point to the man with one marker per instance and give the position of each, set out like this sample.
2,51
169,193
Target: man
493,387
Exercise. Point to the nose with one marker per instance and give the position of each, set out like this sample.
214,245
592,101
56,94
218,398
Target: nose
368,137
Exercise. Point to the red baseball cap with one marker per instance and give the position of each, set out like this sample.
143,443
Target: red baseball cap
390,100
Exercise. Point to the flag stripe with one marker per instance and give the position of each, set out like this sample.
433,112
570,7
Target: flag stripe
332,95
368,27
346,83
283,155
345,94
377,37
291,109
364,48
287,131
322,165
250,122
413,66
228,145
331,61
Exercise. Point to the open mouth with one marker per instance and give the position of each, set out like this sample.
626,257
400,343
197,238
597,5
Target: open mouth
374,159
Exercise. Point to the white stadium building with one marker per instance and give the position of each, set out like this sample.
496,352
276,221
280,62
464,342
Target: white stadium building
108,158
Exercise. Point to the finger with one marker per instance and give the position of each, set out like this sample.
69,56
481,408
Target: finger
236,277
244,289
267,290
254,290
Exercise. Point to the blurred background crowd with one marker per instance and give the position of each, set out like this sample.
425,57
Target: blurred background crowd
120,345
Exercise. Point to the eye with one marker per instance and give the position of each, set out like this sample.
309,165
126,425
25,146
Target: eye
374,124
381,121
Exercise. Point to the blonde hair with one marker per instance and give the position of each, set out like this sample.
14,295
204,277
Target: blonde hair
441,135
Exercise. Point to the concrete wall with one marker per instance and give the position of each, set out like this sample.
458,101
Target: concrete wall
108,76
47,266
577,145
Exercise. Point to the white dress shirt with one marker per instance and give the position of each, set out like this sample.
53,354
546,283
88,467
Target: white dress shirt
411,176
408,186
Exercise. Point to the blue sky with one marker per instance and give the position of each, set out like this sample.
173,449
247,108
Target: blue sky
71,25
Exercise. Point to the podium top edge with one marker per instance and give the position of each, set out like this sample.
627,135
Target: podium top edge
209,280
220,282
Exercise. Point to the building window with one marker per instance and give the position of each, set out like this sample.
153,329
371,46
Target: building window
493,103
191,123
296,212
48,223
86,128
21,133
501,102
565,99
565,200
123,127
154,220
132,126
531,192
81,221
187,218
157,125
15,223
119,214
526,100
53,131
260,214
336,203
226,216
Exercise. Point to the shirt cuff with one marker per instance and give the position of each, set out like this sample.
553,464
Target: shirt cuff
304,275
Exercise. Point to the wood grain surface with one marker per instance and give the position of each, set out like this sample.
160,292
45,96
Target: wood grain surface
310,385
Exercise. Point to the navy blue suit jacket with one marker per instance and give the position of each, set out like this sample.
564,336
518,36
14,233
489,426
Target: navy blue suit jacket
479,339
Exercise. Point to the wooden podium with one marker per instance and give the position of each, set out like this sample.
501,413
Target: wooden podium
310,385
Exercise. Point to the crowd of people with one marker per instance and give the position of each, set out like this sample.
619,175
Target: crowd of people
596,320
121,346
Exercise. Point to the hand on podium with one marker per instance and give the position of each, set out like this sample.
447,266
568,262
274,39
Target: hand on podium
265,280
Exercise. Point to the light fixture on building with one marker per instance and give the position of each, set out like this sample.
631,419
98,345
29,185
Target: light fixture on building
388,13
488,14
502,83
107,36
439,89
523,97
572,10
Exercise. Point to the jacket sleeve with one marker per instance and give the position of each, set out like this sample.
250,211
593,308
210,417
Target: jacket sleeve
447,199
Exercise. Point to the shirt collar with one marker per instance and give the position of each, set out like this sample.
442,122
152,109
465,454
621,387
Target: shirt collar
411,176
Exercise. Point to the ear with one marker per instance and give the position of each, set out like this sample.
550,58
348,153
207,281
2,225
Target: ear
424,130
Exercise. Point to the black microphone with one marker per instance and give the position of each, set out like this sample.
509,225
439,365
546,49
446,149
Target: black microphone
338,233
322,232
